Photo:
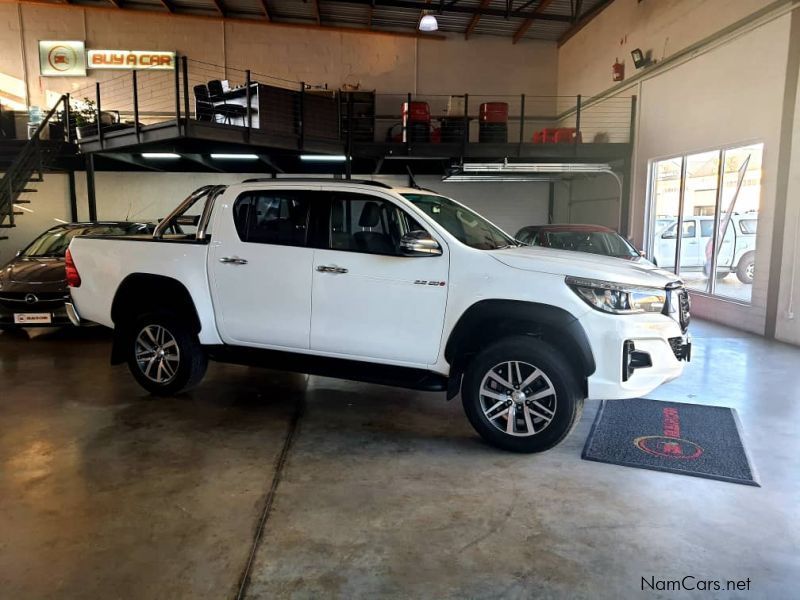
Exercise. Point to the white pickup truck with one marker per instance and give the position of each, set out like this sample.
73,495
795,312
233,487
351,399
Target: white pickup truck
398,286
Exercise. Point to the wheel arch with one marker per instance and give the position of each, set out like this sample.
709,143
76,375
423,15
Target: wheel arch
487,321
140,293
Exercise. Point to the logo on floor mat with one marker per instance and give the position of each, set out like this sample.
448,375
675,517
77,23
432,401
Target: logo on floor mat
670,444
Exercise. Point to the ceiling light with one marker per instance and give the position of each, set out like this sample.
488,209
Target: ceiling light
428,23
158,155
235,156
323,157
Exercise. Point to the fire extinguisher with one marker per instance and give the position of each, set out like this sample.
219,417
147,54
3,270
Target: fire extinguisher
617,71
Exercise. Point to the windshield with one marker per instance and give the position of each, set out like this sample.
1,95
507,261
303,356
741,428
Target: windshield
594,242
54,242
466,226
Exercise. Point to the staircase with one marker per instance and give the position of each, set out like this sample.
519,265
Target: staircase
28,167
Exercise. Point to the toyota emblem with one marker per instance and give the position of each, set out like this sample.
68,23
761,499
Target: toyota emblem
31,299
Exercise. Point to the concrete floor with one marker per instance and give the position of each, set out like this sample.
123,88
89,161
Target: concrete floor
106,492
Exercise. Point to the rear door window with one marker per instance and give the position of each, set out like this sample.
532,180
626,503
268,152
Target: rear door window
279,217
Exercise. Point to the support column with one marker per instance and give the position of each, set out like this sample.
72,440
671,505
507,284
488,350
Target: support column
790,99
73,198
91,196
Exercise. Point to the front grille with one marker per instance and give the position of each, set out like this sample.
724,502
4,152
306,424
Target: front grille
44,301
684,309
676,343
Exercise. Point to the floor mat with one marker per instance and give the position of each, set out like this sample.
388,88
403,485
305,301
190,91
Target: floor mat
690,439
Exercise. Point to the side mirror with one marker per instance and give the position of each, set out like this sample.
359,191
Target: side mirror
419,243
18,254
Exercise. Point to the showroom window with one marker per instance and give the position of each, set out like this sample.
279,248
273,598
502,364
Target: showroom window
272,217
713,198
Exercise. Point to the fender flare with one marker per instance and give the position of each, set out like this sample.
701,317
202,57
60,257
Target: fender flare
515,317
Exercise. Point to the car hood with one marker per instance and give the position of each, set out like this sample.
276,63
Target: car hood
580,264
34,270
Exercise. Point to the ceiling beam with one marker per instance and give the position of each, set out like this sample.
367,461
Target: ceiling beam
473,23
526,24
265,7
576,13
583,21
243,21
470,10
316,12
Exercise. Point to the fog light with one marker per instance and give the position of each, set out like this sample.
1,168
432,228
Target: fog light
633,359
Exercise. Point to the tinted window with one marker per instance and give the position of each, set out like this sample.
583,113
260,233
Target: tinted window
467,226
706,228
688,230
593,242
272,217
362,223
527,236
748,225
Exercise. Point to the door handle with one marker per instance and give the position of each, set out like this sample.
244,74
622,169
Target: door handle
232,260
330,269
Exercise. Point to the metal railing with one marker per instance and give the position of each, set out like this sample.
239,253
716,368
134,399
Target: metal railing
299,111
33,158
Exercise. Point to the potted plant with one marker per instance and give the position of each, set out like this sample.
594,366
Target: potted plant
84,118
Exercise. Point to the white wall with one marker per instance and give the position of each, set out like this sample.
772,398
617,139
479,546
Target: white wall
663,26
591,199
49,204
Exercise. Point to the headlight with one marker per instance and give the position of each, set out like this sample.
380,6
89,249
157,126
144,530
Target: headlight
618,298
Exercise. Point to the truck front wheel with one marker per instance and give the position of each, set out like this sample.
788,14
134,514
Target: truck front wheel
520,394
164,355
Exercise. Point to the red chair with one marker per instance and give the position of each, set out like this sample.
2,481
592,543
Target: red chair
567,135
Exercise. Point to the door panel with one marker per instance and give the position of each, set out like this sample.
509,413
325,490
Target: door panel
267,300
374,305
690,245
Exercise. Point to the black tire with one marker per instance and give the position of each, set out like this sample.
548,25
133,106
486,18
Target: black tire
184,373
566,404
746,267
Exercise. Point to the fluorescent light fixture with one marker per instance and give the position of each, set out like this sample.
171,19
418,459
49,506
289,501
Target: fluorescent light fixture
235,156
506,167
323,157
494,178
428,23
159,155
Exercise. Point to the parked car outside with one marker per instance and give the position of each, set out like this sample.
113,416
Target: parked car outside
736,254
33,285
410,289
594,239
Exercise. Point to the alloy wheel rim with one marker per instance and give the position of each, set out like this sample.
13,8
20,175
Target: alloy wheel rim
751,270
518,399
157,354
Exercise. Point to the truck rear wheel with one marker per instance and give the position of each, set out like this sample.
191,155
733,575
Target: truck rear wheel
164,355
521,395
746,268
